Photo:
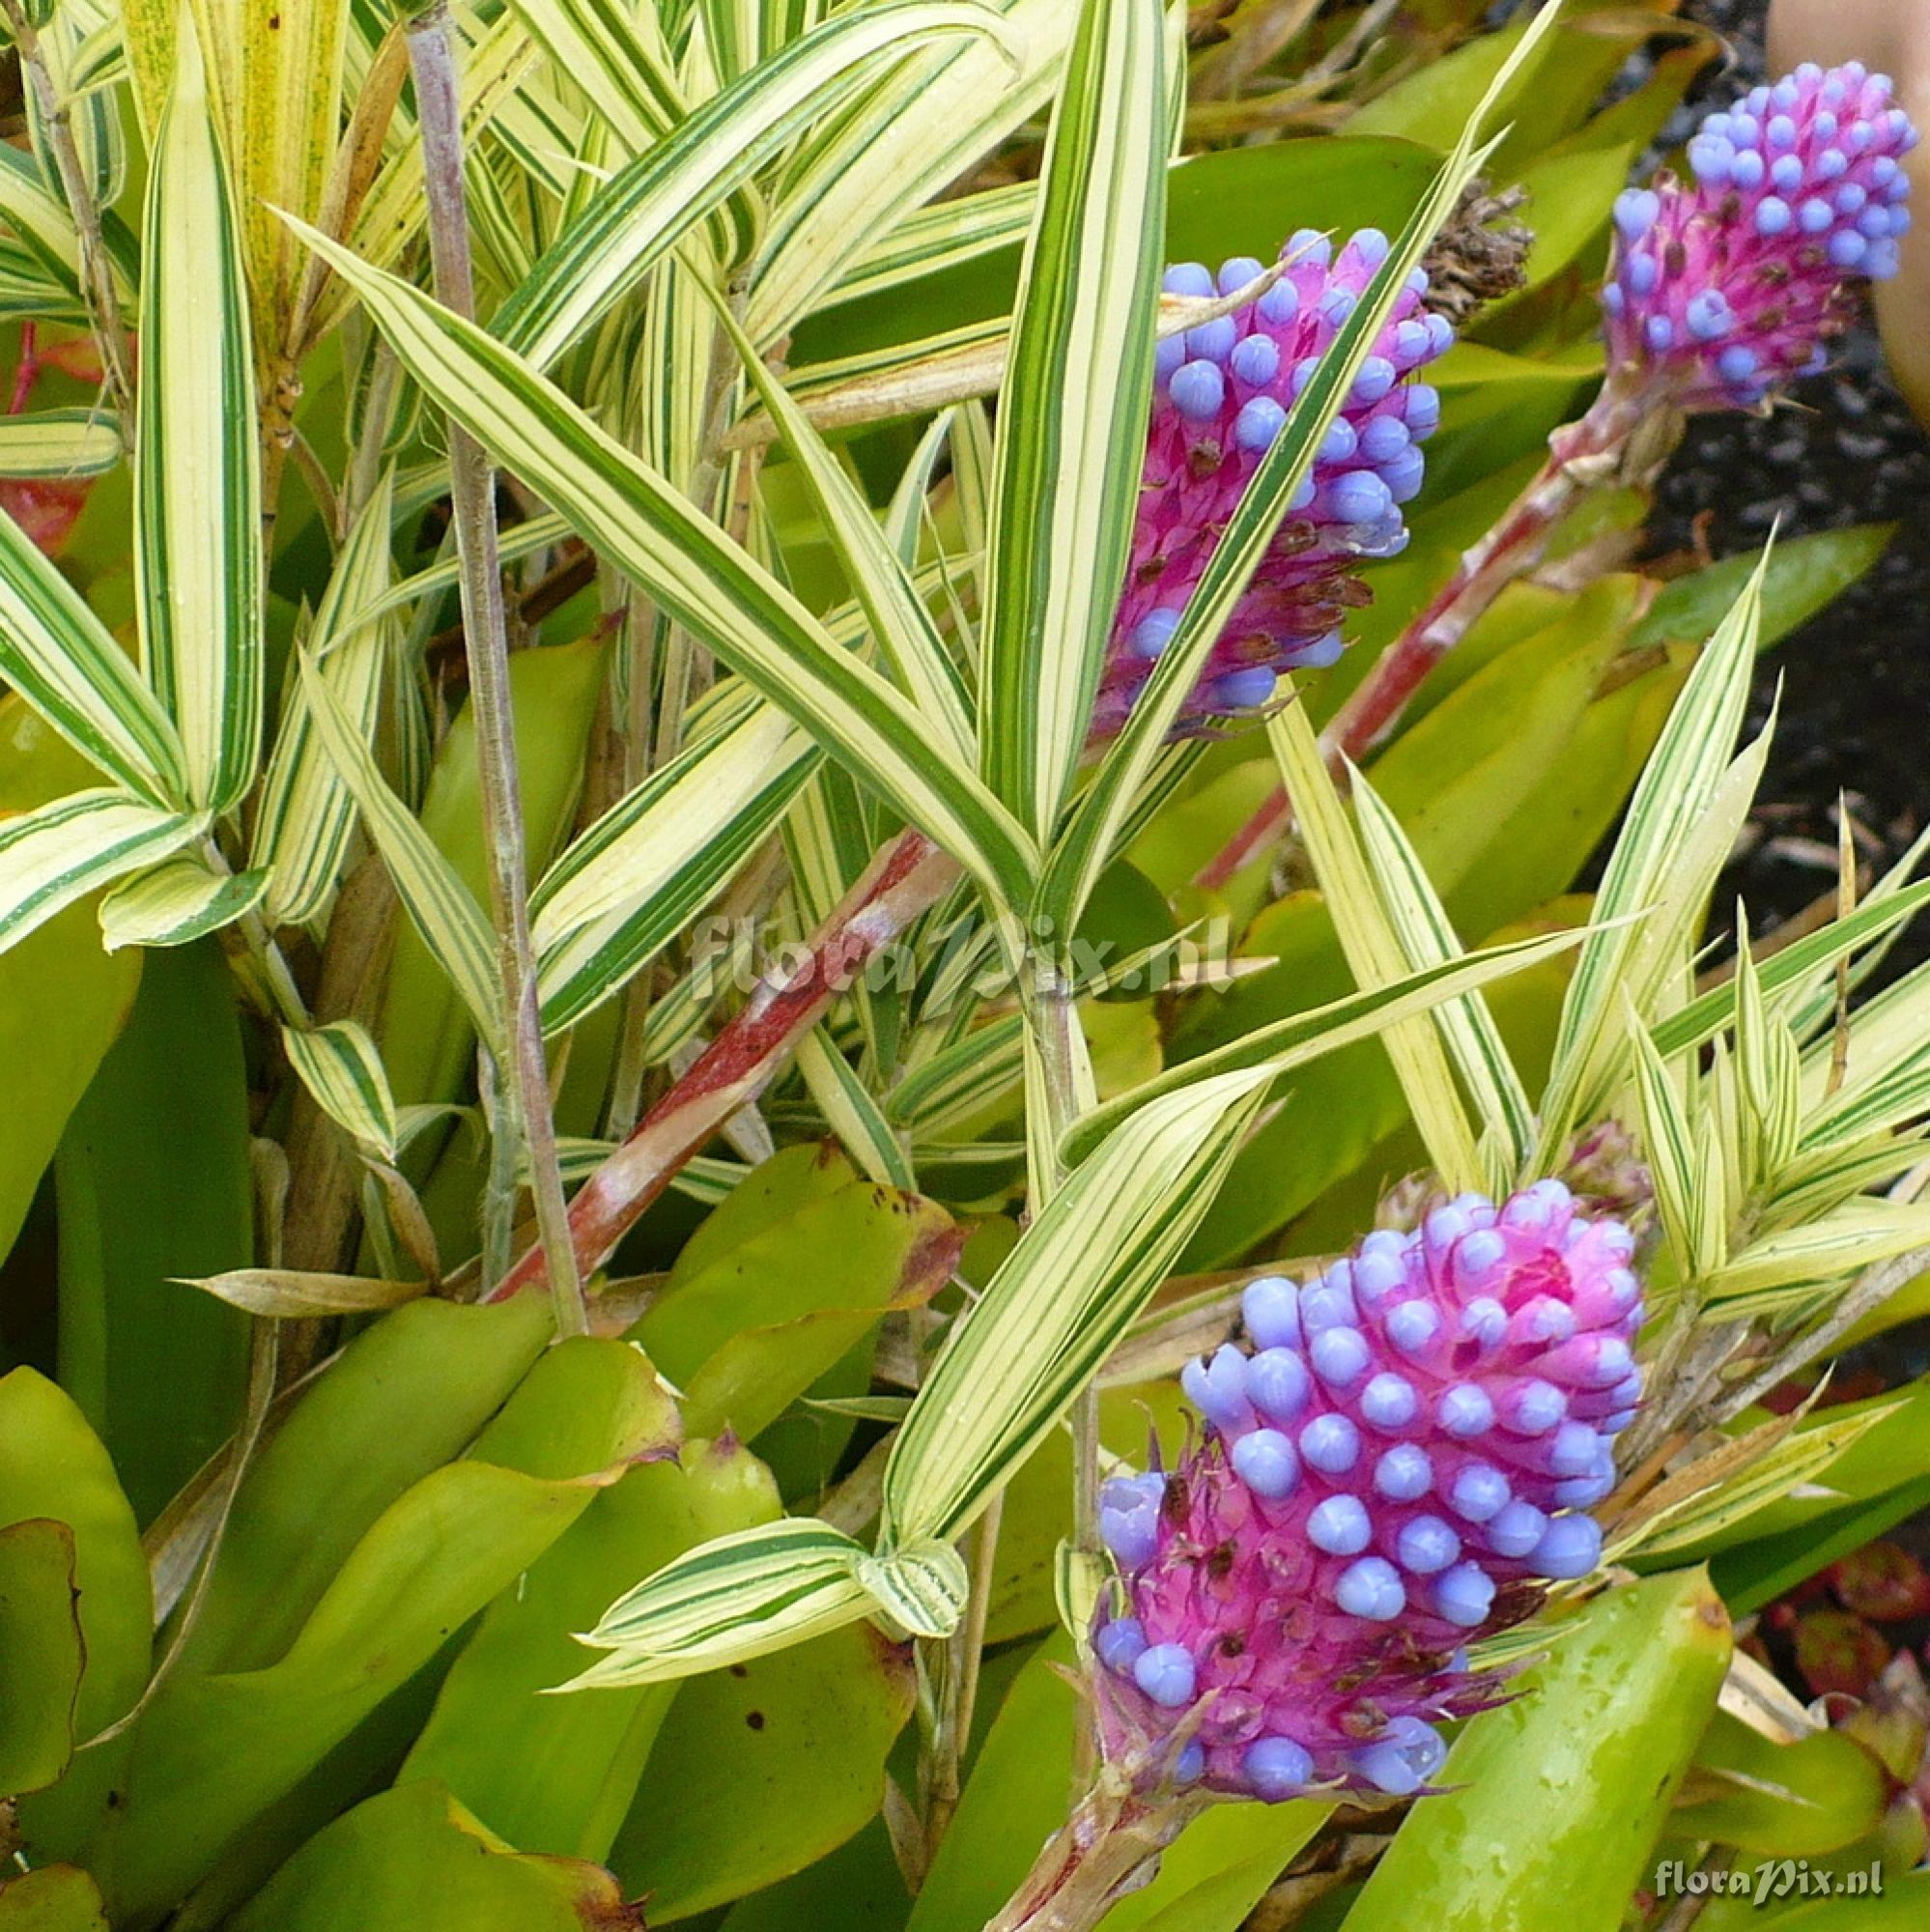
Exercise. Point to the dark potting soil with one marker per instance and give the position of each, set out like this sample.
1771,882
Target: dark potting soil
1856,703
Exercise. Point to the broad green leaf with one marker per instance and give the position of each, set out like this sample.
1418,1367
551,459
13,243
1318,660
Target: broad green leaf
55,1898
61,443
62,999
406,1396
307,815
1779,1800
40,1656
414,1857
53,1468
342,1069
153,1182
1803,574
557,1775
641,212
1558,1795
778,1293
626,510
60,659
763,1768
452,925
212,1752
197,487
1071,421
63,851
632,882
1060,1304
176,903
1014,1800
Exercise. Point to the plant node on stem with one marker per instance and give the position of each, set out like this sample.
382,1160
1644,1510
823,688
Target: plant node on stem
431,62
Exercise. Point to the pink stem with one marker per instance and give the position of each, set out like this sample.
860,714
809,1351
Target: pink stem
1581,455
907,877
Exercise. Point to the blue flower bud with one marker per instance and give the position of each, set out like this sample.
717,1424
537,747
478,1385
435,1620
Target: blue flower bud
1370,1588
1404,1473
1331,1444
1263,1459
1166,1674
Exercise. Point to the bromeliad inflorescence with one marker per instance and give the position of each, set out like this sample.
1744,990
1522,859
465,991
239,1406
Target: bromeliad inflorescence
1731,282
1224,390
1398,1459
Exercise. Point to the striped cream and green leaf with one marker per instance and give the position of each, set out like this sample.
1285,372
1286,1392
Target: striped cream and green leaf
922,126
307,816
627,886
1071,421
1373,949
178,902
74,847
646,206
727,1601
851,1112
1283,1044
1676,793
1427,938
62,660
901,626
1059,1305
197,487
1092,833
342,1068
922,1586
453,926
59,443
631,515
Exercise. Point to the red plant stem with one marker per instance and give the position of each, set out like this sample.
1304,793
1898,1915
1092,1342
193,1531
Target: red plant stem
1581,456
29,370
904,879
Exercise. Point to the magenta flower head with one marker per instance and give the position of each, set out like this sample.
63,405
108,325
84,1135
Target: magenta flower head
1397,1462
1727,285
1223,392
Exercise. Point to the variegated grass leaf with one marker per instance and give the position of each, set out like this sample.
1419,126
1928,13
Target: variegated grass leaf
197,485
1070,442
78,844
1373,947
645,207
628,512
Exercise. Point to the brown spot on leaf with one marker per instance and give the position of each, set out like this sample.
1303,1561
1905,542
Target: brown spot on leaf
754,1719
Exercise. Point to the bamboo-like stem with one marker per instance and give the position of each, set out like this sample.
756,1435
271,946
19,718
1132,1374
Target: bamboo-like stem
1625,438
97,271
1058,1088
906,878
431,59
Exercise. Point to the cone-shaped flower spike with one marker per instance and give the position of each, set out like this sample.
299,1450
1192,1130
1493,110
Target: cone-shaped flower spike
1223,393
1395,1463
1729,284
